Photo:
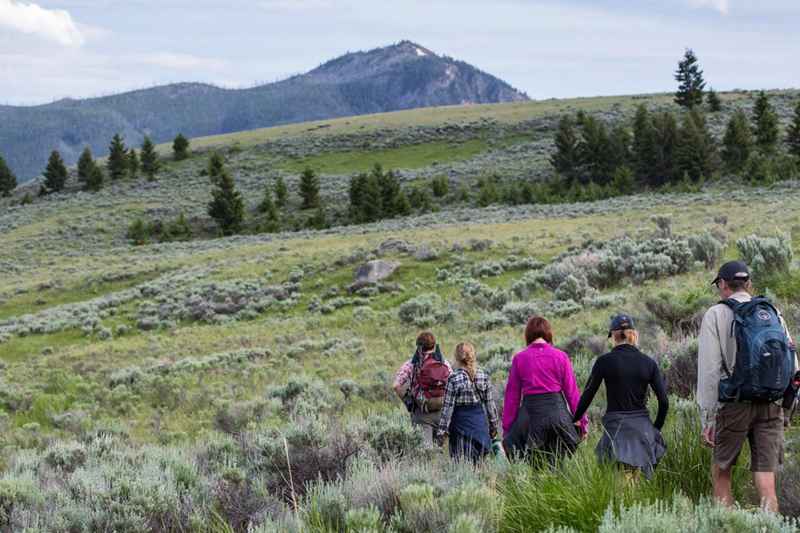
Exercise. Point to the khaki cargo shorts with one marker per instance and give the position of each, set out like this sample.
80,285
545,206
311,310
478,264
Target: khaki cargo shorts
761,424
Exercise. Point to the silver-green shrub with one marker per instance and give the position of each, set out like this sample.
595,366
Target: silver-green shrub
766,255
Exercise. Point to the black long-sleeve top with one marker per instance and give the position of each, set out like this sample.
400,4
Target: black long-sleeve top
627,373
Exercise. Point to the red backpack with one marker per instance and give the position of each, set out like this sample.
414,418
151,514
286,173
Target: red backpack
432,379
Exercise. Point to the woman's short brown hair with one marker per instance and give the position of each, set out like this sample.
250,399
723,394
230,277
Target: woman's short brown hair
426,341
538,328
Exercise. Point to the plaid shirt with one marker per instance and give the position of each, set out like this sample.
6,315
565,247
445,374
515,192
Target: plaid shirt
461,391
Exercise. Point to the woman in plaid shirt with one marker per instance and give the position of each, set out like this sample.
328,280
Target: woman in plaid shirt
469,415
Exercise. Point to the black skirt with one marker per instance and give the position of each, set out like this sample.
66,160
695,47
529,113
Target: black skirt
544,425
630,438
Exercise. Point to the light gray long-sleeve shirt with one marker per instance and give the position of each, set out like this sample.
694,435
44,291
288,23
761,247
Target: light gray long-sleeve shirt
717,341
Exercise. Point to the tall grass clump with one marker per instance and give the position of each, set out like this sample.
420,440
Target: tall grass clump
577,493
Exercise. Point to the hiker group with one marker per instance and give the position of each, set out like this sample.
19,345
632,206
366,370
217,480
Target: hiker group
747,384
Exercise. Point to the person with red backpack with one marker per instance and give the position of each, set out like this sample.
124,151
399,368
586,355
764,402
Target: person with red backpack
421,383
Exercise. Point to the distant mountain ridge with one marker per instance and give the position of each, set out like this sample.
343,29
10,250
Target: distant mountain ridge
401,76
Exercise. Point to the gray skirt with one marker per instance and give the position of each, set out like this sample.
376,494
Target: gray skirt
630,438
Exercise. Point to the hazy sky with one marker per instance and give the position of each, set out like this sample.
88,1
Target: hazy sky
50,49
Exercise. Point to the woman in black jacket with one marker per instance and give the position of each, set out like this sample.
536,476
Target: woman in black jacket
630,437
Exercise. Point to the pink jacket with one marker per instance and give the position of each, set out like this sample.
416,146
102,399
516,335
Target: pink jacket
540,369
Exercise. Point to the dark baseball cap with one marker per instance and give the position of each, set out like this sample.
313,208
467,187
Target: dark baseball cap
620,322
732,270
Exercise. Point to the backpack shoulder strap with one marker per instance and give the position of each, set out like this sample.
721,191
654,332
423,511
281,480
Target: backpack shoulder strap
733,305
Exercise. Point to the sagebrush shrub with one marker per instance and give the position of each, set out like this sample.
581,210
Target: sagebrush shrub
425,311
392,435
679,314
680,359
680,515
518,313
525,286
766,255
789,479
706,248
574,288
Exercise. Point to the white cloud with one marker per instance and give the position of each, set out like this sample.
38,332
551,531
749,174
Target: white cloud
723,6
53,24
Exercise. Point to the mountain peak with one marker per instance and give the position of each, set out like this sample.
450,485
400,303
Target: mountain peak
403,75
411,47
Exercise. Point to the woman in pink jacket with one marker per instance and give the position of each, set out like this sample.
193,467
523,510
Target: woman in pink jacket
541,395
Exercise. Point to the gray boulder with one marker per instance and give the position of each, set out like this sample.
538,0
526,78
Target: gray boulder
373,272
426,253
395,246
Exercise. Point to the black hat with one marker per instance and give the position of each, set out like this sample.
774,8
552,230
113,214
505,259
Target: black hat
732,270
619,323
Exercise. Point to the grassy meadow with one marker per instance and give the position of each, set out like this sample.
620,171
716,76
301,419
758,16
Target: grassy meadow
236,384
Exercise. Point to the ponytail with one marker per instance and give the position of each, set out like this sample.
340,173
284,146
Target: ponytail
465,354
626,336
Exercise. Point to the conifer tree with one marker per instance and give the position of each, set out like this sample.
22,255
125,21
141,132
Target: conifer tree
216,164
440,186
133,163
55,175
696,151
793,135
8,181
95,178
666,141
365,198
150,163
620,147
309,188
227,206
765,124
690,81
713,101
644,150
623,181
180,147
85,163
488,194
402,205
179,230
737,143
419,198
281,192
390,190
271,222
566,160
117,162
319,220
597,155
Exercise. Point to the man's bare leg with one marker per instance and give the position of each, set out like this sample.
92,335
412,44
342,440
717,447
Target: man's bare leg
722,485
765,485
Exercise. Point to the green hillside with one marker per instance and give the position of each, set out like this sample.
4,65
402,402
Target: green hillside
237,384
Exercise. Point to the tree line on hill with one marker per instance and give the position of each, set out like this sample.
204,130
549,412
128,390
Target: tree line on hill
665,150
373,196
123,162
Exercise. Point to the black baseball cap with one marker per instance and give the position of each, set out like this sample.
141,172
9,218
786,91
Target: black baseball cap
732,270
620,322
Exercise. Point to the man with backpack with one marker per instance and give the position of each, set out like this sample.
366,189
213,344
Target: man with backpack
746,362
421,383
